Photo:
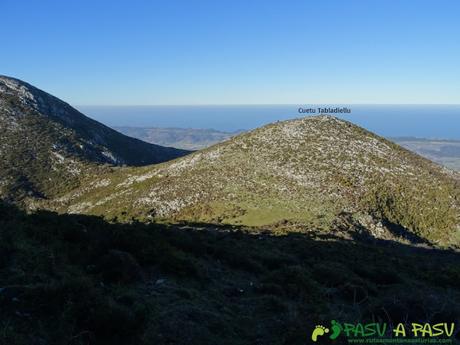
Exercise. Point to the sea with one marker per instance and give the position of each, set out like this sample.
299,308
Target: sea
422,121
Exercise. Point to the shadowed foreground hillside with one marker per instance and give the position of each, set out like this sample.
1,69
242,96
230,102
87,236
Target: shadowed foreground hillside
75,279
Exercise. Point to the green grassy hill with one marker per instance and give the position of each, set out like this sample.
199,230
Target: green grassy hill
310,173
441,151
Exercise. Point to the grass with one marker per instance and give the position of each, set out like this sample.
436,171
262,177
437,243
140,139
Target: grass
261,214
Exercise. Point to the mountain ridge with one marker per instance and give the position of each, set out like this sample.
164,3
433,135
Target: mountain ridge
43,135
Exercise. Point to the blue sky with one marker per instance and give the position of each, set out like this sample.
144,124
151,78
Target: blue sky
235,52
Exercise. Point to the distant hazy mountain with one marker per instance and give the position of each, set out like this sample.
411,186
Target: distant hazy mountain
314,172
46,145
445,152
182,138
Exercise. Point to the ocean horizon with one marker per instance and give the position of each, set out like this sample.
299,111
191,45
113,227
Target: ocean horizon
423,121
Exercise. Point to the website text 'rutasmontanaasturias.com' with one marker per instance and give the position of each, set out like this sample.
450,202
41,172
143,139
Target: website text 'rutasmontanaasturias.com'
325,110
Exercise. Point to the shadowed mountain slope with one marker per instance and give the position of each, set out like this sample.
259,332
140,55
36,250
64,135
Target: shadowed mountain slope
46,144
315,172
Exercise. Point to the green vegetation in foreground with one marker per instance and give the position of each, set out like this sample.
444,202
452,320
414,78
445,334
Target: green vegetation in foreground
75,279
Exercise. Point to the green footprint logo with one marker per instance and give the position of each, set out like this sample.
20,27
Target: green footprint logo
319,331
336,330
